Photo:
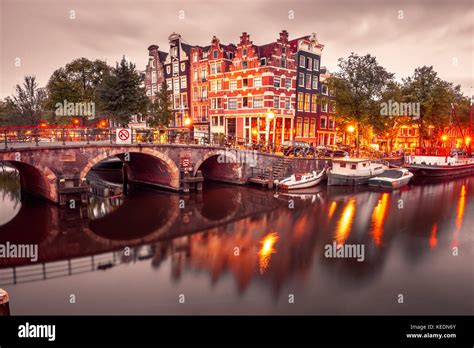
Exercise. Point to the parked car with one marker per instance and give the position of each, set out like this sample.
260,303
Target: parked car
297,148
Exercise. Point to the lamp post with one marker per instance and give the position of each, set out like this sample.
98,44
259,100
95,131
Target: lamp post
270,118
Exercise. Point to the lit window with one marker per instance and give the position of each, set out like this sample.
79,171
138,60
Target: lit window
276,102
301,79
257,82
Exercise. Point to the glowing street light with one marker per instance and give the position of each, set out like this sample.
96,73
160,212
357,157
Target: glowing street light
351,129
468,140
270,116
187,121
444,137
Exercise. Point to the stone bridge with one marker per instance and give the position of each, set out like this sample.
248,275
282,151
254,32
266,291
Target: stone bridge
58,172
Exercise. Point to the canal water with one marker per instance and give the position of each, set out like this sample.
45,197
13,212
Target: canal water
242,250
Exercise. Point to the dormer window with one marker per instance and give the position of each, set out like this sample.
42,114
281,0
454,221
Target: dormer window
283,50
174,51
214,54
263,61
244,51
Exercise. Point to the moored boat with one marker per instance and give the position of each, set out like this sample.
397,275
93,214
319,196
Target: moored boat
439,162
298,181
392,178
354,171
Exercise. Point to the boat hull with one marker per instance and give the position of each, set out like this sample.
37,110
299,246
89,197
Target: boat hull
389,184
423,170
347,180
302,185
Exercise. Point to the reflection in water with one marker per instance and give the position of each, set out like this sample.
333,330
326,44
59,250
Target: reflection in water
332,209
378,218
192,250
266,250
433,240
345,222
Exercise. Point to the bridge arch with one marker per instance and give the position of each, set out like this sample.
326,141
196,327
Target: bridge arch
146,165
220,165
38,180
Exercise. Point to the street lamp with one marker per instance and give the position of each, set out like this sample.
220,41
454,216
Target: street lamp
270,117
188,121
351,129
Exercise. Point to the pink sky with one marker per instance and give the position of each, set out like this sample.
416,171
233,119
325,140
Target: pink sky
42,35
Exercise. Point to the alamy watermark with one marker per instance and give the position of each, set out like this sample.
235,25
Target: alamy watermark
345,251
22,251
66,108
238,156
394,108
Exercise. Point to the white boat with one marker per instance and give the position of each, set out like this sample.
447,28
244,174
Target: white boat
301,181
354,171
392,178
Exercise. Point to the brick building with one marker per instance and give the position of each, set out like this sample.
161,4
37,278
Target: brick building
254,93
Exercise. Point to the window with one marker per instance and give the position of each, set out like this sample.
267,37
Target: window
309,64
231,55
324,107
195,111
245,102
221,120
216,103
175,68
244,51
288,103
306,127
312,126
323,122
168,69
283,62
316,64
170,84
306,102
232,103
324,89
233,85
214,86
219,85
184,83
153,78
244,64
204,111
215,121
314,102
258,102
353,166
214,54
276,102
315,82
300,101
195,93
276,81
287,83
174,51
301,79
216,68
195,75
308,81
257,82
283,50
332,124
204,93
263,61
298,126
333,107
245,82
176,102
203,74
184,100
302,61
175,86
195,57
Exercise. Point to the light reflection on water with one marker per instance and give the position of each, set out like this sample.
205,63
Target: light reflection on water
280,251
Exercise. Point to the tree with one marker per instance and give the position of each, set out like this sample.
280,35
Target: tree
435,97
77,82
160,114
28,102
358,89
121,94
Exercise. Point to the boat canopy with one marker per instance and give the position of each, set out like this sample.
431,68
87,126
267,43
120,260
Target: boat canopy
392,174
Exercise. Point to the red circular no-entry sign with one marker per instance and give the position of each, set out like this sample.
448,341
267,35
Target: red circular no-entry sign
124,134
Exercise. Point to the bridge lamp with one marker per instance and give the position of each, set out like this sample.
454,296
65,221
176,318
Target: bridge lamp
103,123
